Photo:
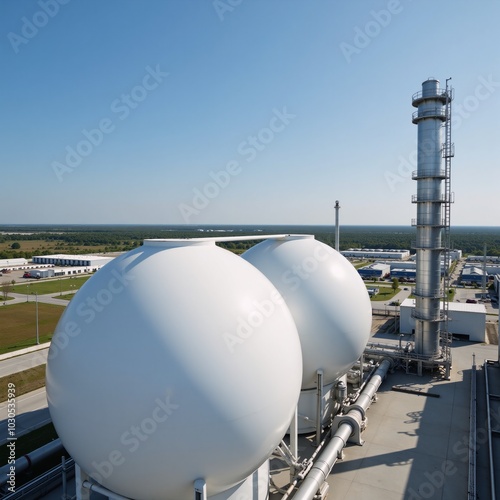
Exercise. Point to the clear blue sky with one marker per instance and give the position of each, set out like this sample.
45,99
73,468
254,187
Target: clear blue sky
298,102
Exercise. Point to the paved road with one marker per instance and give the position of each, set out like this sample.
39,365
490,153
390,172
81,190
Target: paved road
31,413
51,298
24,362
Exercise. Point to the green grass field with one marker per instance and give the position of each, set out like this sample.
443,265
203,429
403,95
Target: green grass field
25,381
52,286
385,293
65,296
18,324
359,265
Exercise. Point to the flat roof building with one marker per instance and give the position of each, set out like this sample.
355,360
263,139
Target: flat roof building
10,263
376,253
480,258
376,270
91,261
409,274
468,320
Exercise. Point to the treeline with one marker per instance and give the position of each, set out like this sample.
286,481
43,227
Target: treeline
470,240
80,239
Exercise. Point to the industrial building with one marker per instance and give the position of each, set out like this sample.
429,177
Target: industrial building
493,259
373,271
467,320
472,274
407,264
90,261
12,263
42,273
370,253
406,274
455,254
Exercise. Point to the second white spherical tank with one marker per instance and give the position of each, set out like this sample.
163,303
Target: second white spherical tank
326,297
176,361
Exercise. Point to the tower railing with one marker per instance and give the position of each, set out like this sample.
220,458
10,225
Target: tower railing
418,96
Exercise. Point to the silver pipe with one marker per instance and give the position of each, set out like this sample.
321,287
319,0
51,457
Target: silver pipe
325,462
323,465
365,398
33,458
103,491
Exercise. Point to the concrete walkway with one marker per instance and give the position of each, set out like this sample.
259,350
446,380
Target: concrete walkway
27,350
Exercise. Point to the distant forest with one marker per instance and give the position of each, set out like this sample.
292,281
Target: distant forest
79,239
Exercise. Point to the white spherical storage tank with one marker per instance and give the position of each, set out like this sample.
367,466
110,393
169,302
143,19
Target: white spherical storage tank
326,297
165,369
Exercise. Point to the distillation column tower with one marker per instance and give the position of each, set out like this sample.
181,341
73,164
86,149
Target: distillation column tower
432,200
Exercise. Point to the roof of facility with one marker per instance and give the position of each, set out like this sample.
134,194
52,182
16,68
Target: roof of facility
377,265
73,257
453,306
472,270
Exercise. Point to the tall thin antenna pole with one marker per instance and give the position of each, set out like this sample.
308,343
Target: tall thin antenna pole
337,227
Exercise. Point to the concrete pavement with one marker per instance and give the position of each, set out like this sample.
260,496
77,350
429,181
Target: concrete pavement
31,413
15,362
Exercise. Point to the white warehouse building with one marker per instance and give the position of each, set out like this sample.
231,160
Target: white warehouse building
90,261
464,319
11,263
378,253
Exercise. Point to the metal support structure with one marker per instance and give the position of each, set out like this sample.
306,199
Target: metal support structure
64,478
81,477
319,406
87,485
294,439
200,489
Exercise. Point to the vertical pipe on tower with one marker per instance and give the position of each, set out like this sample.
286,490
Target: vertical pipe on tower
337,227
429,117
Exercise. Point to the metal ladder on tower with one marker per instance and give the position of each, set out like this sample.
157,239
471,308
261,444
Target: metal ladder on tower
448,153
